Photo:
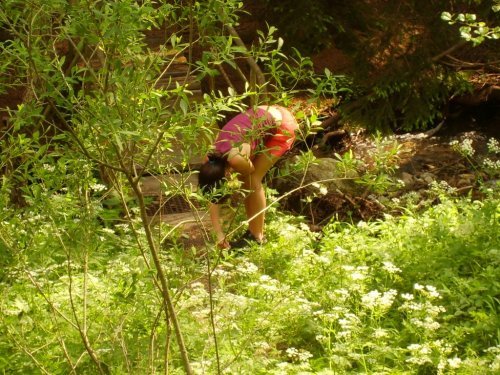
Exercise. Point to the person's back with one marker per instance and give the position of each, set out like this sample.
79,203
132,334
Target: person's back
248,127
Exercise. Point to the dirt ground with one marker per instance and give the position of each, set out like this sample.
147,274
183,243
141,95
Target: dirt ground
421,160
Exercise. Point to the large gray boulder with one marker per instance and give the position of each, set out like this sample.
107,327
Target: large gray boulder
324,173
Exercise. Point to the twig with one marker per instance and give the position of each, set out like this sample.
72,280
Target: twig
346,197
327,136
30,354
449,50
261,80
51,305
226,77
431,132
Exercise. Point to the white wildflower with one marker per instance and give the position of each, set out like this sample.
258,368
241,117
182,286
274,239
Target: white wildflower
197,285
454,362
304,227
339,294
98,187
362,224
407,296
340,251
321,338
247,268
323,259
493,146
380,333
465,148
420,354
418,287
428,323
370,299
349,321
263,348
375,299
344,323
357,276
123,227
219,272
265,278
390,267
283,366
432,292
492,165
298,355
344,334
48,167
388,298
495,364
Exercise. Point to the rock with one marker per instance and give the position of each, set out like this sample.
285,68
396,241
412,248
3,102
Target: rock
407,178
428,177
327,172
465,179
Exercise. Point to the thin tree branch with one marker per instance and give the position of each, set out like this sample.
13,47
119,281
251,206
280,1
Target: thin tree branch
161,275
448,51
261,80
226,77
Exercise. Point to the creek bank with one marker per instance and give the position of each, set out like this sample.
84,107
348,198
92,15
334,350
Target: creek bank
419,164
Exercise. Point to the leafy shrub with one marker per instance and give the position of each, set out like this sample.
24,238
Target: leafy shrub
405,100
414,294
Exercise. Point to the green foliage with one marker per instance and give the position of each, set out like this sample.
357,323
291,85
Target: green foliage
487,165
376,170
94,118
407,86
316,20
410,294
406,100
292,73
82,264
395,79
471,29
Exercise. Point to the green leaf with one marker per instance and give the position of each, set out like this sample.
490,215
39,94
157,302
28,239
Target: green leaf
446,16
280,43
470,17
184,106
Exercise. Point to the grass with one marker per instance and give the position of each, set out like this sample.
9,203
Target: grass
413,294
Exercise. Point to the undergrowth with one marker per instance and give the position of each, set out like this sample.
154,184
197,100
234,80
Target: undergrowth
414,294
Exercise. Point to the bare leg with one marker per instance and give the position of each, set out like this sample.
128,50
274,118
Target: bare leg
255,202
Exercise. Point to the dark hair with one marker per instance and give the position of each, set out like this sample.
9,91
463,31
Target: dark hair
212,175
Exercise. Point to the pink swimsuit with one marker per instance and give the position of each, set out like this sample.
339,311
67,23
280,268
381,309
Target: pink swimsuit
260,130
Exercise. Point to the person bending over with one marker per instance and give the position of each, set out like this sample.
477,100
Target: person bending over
249,144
